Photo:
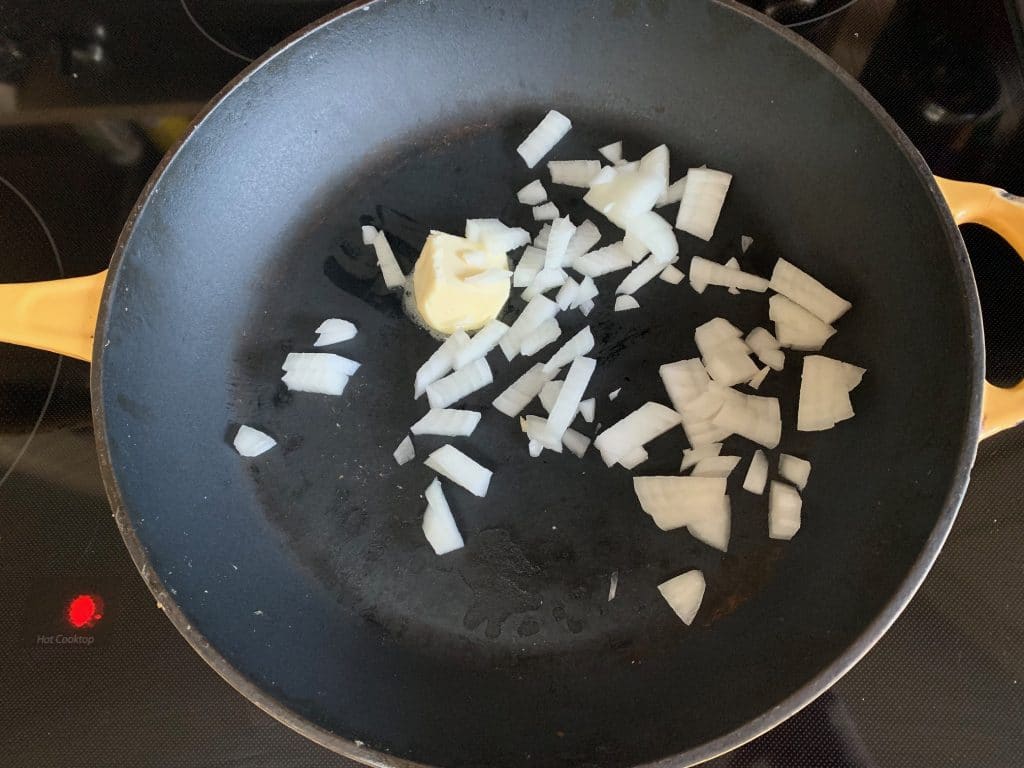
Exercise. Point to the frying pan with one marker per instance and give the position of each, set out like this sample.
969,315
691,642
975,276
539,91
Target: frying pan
302,576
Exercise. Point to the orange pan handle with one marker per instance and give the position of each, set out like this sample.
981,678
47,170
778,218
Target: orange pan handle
56,315
1003,213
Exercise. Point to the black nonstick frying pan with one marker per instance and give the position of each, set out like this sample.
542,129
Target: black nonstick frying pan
303,577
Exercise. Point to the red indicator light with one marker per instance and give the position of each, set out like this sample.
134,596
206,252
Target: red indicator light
85,611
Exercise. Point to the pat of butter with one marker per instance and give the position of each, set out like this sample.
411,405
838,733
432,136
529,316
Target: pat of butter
444,298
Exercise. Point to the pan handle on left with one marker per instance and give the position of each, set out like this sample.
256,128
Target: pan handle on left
57,315
1003,213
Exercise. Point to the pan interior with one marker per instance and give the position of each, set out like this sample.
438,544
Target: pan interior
306,568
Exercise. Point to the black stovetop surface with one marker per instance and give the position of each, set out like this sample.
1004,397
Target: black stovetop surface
90,94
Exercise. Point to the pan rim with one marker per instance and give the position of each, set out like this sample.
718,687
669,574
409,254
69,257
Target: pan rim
729,741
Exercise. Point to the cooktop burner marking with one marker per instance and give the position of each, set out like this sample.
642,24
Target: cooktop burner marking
211,38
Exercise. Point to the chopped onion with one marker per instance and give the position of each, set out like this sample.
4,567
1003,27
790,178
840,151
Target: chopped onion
656,234
588,290
586,236
537,431
641,275
542,139
587,410
684,381
750,416
698,503
635,247
630,192
576,442
535,449
513,400
633,459
635,430
587,307
369,234
625,303
457,385
544,281
684,594
798,286
700,433
615,393
612,152
251,442
566,295
460,469
725,354
796,327
611,258
334,331
549,394
447,422
767,348
317,372
603,176
389,269
702,201
441,362
656,162
613,585
672,275
483,341
705,406
757,473
796,471
673,194
561,233
580,344
758,380
438,522
545,334
573,173
488,277
546,212
493,234
541,240
704,272
537,311
733,264
825,387
530,263
745,242
565,407
533,193
715,466
405,452
693,456
784,505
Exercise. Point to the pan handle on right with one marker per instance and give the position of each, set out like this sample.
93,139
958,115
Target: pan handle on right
1003,213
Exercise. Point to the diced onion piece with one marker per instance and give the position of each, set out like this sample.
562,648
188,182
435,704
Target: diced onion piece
725,354
673,194
586,236
656,234
544,281
625,303
537,311
441,362
796,285
796,327
448,422
513,400
566,295
587,307
532,194
603,176
405,452
545,212
795,470
641,275
634,247
784,505
488,277
535,448
684,381
757,473
698,503
672,275
567,404
483,341
715,466
317,372
561,233
530,263
576,442
588,290
733,264
334,331
544,137
587,410
580,344
634,458
635,430
611,152
438,522
684,594
251,442
657,161
704,272
702,201
493,234
706,405
545,334
615,393
549,394
693,456
452,463
537,431
629,192
767,348
701,432
611,258
613,585
758,380
745,242
825,387
541,240
573,173
389,269
457,385
751,416
369,234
